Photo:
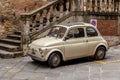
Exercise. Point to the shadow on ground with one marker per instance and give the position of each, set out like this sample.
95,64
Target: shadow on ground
67,63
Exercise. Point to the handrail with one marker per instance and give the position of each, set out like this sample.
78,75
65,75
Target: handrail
70,14
40,18
40,9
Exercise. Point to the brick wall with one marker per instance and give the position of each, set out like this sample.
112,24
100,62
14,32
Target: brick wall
108,27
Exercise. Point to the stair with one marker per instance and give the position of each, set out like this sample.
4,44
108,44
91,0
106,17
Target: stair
10,46
14,36
10,41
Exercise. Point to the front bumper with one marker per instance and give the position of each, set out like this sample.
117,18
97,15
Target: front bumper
36,56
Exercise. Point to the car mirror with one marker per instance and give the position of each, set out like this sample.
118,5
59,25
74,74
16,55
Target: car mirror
66,38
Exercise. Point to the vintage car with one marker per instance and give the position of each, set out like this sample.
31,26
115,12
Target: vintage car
69,41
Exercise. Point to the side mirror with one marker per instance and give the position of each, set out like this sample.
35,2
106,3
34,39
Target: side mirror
66,38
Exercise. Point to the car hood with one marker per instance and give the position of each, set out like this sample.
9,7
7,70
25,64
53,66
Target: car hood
47,41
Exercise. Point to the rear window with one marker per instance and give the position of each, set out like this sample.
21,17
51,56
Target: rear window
91,32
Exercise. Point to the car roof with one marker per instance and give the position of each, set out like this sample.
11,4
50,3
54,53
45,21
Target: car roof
74,24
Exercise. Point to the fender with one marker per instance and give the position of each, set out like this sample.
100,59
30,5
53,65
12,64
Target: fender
54,50
101,44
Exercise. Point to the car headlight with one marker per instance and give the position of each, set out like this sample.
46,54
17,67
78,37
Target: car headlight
40,50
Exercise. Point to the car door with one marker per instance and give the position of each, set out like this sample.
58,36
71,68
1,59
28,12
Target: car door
75,45
93,39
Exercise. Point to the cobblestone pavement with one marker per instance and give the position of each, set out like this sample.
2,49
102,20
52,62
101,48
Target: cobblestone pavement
81,69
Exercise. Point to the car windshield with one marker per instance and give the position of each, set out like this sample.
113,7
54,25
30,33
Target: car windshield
57,32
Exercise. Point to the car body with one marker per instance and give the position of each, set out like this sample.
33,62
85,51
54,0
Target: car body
68,41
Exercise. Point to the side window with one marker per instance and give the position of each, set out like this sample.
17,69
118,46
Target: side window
91,32
76,33
80,33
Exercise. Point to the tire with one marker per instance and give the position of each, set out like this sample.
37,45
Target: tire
100,53
54,60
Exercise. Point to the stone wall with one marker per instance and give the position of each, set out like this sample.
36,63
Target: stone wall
10,11
112,40
108,27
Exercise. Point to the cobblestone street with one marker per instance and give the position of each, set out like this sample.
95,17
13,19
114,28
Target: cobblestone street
81,69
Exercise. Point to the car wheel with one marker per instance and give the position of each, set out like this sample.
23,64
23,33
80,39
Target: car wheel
100,53
54,60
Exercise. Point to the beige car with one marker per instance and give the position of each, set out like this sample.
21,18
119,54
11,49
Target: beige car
68,41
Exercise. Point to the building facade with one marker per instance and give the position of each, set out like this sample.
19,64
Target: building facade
107,14
104,11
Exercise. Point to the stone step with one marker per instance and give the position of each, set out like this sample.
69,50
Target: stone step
10,41
14,36
17,32
5,54
9,47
